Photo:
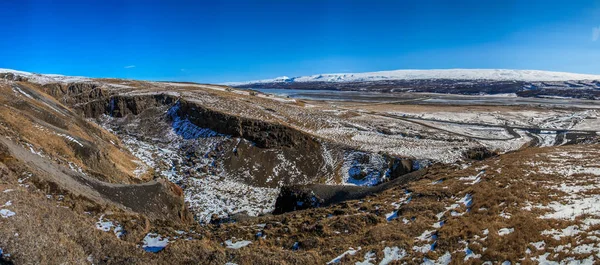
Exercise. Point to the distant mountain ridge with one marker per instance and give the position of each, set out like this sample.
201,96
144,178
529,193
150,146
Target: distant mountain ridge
523,83
448,74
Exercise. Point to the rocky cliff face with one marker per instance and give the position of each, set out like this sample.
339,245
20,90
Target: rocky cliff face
300,197
304,151
262,134
73,93
205,143
214,155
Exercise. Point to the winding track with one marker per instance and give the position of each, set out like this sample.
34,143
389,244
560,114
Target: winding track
510,129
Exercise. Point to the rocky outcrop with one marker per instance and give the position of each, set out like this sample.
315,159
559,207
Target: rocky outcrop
74,93
12,77
300,197
263,134
479,153
267,144
121,106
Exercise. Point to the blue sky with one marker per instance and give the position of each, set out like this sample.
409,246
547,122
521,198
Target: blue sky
220,41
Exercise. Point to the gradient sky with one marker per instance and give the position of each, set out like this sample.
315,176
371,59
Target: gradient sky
220,41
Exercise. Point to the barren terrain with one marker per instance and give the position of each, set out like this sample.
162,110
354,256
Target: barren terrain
110,171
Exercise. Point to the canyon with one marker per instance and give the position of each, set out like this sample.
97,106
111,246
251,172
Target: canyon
203,173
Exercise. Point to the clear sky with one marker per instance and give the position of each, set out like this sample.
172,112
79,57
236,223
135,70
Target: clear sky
220,41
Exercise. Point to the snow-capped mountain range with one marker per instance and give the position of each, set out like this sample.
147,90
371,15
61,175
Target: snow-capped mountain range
43,78
449,74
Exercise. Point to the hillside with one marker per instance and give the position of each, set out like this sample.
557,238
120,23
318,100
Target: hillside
112,171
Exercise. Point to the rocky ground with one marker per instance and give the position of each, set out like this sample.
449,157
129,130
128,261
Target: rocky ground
106,171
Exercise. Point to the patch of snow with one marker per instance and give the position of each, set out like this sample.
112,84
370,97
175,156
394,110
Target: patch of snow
154,242
107,225
423,248
585,249
19,90
443,260
505,231
426,235
237,245
467,200
539,245
185,128
473,179
566,232
391,216
505,215
392,254
469,254
71,139
5,213
543,260
438,224
573,208
350,251
369,257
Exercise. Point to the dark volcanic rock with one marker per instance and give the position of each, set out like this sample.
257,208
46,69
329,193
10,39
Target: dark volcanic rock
263,134
479,153
299,197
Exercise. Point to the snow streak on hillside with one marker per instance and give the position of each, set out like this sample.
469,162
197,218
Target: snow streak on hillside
452,74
